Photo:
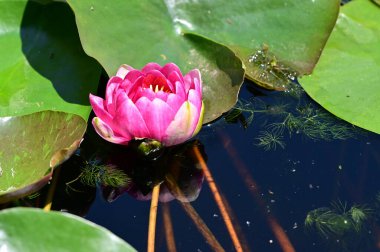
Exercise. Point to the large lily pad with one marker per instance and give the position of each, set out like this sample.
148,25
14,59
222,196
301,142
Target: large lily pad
135,32
346,80
42,63
43,68
30,229
31,145
294,31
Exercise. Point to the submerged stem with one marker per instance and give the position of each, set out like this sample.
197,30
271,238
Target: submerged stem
153,218
49,199
198,221
169,233
219,201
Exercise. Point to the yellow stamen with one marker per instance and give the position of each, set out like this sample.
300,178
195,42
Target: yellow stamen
162,88
151,87
156,89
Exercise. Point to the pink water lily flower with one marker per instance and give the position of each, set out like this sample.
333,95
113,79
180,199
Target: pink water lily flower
155,102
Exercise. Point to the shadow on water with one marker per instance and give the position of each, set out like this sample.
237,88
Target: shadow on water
51,44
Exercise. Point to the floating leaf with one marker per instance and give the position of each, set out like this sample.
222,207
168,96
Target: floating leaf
43,68
29,144
346,80
294,31
31,229
136,32
139,32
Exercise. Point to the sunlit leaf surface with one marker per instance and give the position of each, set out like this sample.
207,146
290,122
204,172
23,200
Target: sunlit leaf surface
346,80
136,32
30,229
143,31
294,31
42,63
28,144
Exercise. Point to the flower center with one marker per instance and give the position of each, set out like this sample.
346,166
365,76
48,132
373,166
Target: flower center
156,83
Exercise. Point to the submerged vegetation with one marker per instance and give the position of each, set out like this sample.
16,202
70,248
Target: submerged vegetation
93,174
270,140
338,224
313,123
338,220
290,114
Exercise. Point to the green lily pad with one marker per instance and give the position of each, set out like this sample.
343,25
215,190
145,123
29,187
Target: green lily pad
31,229
294,31
31,146
42,63
43,69
135,33
346,79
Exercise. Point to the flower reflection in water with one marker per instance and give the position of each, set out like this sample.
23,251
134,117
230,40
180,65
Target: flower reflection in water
176,169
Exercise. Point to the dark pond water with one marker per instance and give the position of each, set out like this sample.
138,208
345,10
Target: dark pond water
306,164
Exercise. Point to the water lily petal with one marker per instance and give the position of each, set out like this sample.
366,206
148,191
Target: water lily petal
131,78
157,115
112,86
151,66
180,89
140,92
193,80
200,120
194,98
100,111
183,125
106,132
113,80
175,101
162,95
197,82
132,89
119,98
169,68
188,83
173,78
123,70
129,119
156,78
